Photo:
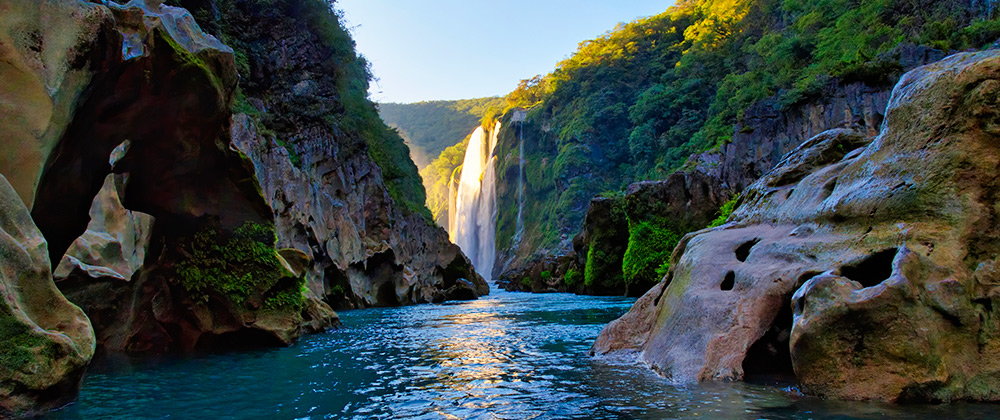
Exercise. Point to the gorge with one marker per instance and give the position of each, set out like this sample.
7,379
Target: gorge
774,209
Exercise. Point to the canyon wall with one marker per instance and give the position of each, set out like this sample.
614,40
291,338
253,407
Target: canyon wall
194,189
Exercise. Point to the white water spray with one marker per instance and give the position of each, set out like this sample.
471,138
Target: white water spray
475,211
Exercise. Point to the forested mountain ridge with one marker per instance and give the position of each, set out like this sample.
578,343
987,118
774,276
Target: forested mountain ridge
637,102
429,127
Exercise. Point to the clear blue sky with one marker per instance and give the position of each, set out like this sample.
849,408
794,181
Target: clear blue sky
459,49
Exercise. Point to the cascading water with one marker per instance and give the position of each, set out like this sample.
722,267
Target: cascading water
474,225
519,231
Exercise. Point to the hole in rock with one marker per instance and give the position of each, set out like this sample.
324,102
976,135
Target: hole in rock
338,288
729,281
805,277
769,358
829,187
387,294
743,251
986,303
872,270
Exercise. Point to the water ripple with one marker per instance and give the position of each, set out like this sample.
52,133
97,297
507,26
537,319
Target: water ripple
508,356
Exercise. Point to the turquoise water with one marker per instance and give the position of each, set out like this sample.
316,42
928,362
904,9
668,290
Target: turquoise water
507,356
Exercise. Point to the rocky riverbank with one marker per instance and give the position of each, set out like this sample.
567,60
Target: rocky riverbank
864,270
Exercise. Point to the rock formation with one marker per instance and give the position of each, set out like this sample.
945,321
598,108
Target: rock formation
367,252
868,272
47,341
682,203
312,151
117,128
768,130
144,93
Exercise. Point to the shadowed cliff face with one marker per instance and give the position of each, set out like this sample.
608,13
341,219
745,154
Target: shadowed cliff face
140,91
319,152
869,271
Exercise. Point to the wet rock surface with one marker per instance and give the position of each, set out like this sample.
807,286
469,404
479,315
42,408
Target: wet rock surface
874,269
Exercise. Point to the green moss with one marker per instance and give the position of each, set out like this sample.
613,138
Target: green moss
21,346
187,59
603,269
242,106
237,266
650,244
526,282
293,155
572,278
290,296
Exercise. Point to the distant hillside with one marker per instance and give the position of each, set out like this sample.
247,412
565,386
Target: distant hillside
431,127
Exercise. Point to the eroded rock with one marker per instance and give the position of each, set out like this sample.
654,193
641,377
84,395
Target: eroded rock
367,252
887,249
46,340
114,245
140,91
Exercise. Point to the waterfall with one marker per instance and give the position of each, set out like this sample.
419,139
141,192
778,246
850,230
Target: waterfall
520,183
475,211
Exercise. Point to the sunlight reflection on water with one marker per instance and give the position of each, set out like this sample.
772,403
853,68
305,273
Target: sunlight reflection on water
508,356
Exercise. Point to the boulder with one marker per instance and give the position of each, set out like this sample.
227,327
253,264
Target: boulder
866,271
652,215
47,341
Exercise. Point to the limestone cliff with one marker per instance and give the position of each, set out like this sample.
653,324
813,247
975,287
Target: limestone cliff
868,272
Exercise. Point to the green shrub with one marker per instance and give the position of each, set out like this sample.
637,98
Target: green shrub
650,244
572,277
725,211
526,282
603,269
238,266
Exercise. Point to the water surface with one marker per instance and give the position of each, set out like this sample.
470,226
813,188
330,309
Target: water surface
507,356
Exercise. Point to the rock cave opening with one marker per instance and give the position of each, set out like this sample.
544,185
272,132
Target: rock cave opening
382,271
743,251
338,288
770,358
872,270
728,282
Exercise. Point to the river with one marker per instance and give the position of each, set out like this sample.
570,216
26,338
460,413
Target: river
506,356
